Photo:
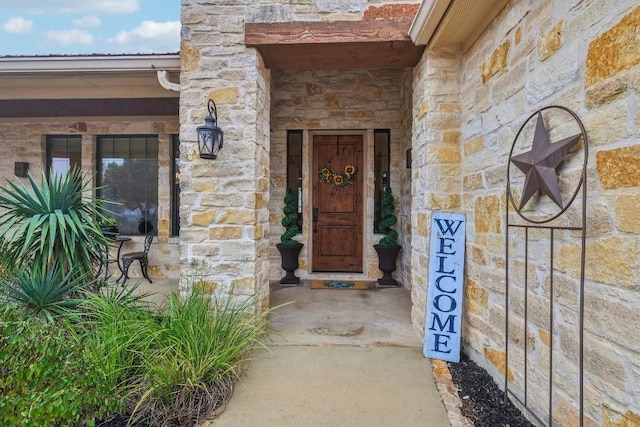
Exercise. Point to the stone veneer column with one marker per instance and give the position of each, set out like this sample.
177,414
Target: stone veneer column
223,206
436,184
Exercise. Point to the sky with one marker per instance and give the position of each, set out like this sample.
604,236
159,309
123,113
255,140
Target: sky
78,27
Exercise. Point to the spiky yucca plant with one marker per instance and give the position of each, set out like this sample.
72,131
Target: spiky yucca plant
43,291
52,224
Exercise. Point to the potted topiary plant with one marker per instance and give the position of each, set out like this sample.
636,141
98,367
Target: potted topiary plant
388,247
289,248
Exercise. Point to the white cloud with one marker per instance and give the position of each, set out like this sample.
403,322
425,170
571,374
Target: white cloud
67,6
69,37
17,25
87,22
150,37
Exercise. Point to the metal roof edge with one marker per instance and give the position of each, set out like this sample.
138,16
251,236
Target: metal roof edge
426,22
89,63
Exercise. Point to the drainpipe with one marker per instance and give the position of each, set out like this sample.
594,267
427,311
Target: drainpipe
163,79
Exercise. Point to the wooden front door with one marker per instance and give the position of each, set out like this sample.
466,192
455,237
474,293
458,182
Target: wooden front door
337,203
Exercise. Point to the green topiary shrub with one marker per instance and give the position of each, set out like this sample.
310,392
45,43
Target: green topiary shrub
388,220
290,220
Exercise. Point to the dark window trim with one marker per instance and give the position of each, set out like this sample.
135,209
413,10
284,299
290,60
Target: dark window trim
296,194
175,187
387,183
48,158
98,157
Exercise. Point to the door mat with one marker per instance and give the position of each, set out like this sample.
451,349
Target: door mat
339,284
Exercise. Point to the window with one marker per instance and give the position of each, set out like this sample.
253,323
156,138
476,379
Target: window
128,176
175,186
294,168
63,153
381,149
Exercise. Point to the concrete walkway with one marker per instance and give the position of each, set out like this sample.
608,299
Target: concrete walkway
338,358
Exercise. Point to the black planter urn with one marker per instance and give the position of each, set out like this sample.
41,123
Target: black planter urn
289,255
387,263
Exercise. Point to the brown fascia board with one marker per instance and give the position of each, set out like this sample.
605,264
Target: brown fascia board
31,108
338,44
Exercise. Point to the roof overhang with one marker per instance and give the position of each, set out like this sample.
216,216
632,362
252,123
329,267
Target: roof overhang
97,86
89,63
453,22
334,45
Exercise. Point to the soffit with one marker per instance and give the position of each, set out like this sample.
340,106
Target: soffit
72,85
334,45
452,22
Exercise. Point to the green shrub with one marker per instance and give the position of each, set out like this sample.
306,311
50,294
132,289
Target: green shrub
388,220
171,366
46,379
200,347
118,329
43,291
290,220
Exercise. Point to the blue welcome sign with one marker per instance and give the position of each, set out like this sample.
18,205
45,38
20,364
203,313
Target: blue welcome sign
444,297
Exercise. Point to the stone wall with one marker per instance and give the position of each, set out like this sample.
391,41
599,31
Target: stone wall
436,146
342,100
224,202
583,55
25,141
265,11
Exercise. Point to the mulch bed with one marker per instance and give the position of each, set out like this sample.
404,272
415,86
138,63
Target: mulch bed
482,400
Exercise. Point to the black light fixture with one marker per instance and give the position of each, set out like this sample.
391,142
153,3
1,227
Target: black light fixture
210,136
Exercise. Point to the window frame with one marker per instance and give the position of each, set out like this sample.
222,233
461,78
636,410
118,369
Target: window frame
297,189
49,153
99,170
175,186
382,176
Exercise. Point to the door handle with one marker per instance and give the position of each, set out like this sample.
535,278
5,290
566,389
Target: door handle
315,220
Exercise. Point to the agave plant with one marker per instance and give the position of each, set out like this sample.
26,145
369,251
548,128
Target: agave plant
43,291
52,224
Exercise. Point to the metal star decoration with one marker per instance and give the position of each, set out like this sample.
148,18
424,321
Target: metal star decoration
539,165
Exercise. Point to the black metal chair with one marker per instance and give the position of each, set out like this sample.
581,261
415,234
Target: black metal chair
142,257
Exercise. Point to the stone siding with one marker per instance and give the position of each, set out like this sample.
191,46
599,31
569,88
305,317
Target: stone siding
267,11
582,55
26,142
341,100
228,208
224,202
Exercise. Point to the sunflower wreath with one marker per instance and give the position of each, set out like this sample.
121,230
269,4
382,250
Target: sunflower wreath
329,176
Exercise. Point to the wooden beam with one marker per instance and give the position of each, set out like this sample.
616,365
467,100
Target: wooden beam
326,32
341,44
22,108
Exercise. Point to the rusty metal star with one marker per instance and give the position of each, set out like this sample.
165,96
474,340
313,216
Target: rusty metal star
539,165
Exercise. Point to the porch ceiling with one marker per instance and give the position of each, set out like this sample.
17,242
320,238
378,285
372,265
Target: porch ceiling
335,45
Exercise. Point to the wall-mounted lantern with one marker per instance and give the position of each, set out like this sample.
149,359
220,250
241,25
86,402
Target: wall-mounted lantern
210,136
